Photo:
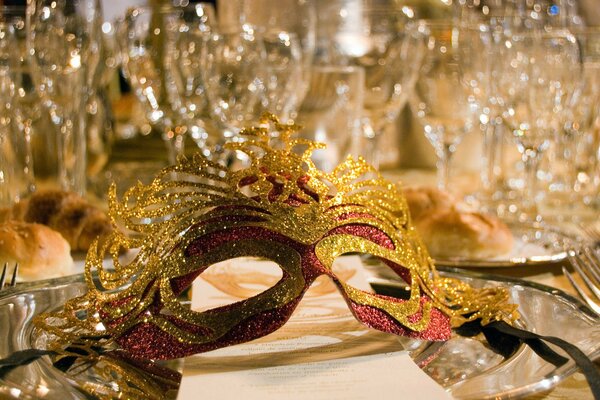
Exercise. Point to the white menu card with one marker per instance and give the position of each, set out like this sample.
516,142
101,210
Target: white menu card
321,353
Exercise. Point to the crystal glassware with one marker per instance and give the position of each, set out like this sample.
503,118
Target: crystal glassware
286,85
196,23
444,100
64,51
99,118
292,21
236,74
161,50
16,177
382,38
20,106
542,71
573,159
503,21
331,113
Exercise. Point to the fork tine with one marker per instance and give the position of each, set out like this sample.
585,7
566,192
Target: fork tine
583,269
595,307
3,276
13,280
594,263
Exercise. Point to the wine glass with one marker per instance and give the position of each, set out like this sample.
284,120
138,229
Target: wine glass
63,44
542,72
503,21
381,38
445,100
21,105
161,50
16,173
332,111
99,118
572,159
286,85
294,23
236,75
196,23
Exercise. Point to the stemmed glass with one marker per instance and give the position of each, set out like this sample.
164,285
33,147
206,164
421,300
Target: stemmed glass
64,47
286,85
20,104
248,71
161,54
196,23
503,22
236,74
572,161
383,40
542,72
99,122
445,98
293,22
16,174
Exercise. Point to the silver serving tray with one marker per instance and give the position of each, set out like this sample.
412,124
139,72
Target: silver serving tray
465,367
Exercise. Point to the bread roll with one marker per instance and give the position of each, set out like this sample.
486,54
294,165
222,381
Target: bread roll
41,252
72,216
452,233
425,200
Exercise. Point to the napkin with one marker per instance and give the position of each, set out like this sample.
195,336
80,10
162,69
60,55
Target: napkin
323,352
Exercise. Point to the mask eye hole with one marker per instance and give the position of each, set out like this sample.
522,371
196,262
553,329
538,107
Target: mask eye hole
344,267
383,279
235,280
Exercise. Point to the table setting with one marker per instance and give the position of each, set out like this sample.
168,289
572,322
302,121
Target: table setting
299,199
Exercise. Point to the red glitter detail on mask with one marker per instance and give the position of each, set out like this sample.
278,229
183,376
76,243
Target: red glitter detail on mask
247,181
111,324
124,300
277,189
148,341
209,242
105,317
401,271
295,201
302,183
438,328
180,283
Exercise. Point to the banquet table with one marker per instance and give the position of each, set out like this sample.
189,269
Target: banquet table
550,275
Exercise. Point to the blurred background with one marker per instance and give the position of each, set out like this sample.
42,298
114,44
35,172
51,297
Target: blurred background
370,78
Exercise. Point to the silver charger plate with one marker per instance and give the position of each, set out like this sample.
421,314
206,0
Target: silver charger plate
464,366
533,245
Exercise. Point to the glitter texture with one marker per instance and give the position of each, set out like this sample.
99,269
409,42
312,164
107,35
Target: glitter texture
280,208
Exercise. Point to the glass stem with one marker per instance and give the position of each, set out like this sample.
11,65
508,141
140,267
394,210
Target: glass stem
29,167
443,165
492,143
371,136
530,157
72,155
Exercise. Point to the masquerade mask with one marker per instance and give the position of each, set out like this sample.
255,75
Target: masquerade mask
280,208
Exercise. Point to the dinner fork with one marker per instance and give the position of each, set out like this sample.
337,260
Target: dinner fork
13,279
587,264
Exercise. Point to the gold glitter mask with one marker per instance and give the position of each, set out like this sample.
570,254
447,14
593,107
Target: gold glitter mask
281,208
